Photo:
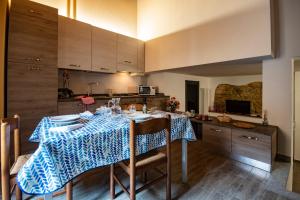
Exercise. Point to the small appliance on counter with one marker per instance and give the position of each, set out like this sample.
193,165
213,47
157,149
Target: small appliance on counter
65,93
146,90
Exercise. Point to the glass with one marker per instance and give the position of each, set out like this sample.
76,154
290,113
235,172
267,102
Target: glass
132,108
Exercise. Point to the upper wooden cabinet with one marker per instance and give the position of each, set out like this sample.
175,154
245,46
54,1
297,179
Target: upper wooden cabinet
104,50
74,44
141,57
32,33
84,47
127,51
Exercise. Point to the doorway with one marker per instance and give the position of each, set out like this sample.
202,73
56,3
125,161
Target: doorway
192,95
295,151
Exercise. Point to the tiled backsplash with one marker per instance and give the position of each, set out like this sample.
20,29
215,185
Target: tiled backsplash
119,82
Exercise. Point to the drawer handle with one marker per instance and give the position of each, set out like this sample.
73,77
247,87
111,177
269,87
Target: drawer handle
73,65
102,68
126,61
216,130
34,68
249,137
34,12
38,59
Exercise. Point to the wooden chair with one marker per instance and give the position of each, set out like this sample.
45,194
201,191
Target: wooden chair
145,161
10,127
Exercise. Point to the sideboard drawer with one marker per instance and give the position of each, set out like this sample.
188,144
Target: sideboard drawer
217,137
251,145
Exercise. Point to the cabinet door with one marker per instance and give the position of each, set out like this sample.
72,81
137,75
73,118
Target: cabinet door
127,54
32,33
104,50
251,145
141,57
217,138
74,44
31,92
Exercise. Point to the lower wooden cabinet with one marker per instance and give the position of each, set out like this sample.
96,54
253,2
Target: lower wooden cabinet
251,145
256,147
219,138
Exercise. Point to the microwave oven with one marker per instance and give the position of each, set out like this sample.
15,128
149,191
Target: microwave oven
146,90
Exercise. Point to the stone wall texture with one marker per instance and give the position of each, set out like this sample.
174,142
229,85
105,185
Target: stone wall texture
251,92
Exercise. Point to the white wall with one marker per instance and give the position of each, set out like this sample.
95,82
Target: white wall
161,17
297,117
120,82
173,84
119,16
277,73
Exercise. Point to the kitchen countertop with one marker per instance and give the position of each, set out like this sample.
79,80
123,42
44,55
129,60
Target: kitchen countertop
259,128
106,97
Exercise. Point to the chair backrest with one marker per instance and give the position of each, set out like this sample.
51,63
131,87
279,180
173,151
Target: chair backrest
149,127
10,128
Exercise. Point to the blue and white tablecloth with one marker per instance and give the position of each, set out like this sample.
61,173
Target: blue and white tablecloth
103,140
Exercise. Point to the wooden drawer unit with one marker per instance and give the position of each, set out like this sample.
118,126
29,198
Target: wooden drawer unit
217,138
251,145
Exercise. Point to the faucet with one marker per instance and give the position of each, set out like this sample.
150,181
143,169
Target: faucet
90,87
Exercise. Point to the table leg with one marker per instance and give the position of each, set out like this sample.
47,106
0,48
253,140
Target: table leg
48,196
184,161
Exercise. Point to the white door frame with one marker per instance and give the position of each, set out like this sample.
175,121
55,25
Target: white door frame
293,108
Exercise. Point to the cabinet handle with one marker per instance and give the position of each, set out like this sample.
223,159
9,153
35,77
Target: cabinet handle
73,65
34,12
38,59
34,68
216,130
126,61
249,137
102,68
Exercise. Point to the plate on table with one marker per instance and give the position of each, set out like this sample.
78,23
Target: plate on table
65,118
139,116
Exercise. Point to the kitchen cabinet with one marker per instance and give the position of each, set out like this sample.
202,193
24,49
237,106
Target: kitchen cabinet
218,138
104,51
127,54
256,146
251,145
32,33
74,44
141,56
32,76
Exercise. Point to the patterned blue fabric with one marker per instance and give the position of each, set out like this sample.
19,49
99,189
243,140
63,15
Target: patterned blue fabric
103,140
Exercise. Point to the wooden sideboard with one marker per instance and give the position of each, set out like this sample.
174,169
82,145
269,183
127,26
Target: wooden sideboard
256,146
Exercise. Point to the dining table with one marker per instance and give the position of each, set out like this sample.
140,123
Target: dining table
100,140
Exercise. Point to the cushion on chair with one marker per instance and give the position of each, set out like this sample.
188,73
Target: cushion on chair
19,163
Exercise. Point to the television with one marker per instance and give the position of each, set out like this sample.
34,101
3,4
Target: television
238,107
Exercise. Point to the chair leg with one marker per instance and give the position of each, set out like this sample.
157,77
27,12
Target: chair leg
168,189
18,193
112,181
69,191
132,186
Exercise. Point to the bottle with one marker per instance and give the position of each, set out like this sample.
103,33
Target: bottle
144,109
